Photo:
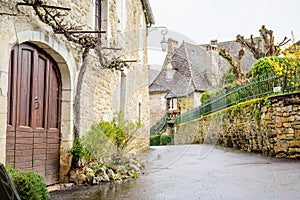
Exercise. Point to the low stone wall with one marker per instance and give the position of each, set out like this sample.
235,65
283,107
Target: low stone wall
269,126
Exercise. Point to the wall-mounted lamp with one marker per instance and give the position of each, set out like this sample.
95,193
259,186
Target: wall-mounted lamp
164,31
164,44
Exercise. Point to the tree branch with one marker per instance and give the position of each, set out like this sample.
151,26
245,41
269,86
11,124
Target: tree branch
267,48
228,57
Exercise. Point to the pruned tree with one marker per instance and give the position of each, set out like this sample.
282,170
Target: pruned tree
237,69
265,47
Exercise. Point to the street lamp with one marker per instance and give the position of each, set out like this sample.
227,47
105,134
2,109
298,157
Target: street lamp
164,44
164,31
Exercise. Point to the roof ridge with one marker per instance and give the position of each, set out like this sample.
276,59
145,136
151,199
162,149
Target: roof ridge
190,68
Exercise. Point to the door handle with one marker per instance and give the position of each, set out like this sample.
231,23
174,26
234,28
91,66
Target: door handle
36,103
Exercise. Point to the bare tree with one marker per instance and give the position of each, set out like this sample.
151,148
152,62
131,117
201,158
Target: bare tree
237,69
265,47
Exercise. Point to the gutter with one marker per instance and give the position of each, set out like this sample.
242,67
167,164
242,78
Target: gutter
148,12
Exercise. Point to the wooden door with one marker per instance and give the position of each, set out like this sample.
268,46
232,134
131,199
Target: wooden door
34,112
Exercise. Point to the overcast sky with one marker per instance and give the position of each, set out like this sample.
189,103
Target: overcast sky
203,20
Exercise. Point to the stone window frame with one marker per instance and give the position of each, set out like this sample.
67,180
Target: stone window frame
101,20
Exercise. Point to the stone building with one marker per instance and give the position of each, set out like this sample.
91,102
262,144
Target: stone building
58,76
187,72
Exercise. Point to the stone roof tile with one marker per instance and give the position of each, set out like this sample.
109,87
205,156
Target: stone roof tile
189,69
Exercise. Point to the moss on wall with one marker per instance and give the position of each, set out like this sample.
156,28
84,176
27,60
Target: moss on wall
269,126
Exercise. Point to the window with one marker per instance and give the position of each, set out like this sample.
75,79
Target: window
98,15
173,104
101,22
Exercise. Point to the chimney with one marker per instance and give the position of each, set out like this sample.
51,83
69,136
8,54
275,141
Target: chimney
172,46
213,45
213,63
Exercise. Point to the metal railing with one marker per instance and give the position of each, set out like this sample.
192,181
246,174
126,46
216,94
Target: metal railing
160,125
257,88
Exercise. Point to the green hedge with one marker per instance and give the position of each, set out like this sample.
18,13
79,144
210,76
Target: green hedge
29,185
165,139
155,140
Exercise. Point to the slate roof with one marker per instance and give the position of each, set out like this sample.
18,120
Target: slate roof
190,70
233,47
152,75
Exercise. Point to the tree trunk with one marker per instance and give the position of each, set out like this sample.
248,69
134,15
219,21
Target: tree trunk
78,91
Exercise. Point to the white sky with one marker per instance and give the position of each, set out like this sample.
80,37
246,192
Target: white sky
200,21
203,20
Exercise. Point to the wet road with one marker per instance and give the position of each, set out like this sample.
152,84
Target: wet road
201,172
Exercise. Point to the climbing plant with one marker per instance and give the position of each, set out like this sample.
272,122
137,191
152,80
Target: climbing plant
62,23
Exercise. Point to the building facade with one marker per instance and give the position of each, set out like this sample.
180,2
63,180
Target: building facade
44,91
187,72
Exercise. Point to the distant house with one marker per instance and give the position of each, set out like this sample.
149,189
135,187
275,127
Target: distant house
187,72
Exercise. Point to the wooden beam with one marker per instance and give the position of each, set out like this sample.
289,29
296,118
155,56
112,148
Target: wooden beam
42,5
10,14
74,32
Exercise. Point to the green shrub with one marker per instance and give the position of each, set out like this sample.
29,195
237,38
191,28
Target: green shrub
211,94
205,97
155,140
228,78
29,185
120,130
165,139
78,152
97,143
272,65
232,98
106,140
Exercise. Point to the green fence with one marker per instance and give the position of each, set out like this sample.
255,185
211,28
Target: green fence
159,126
259,87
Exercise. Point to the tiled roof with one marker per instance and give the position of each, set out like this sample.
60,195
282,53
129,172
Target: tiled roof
234,47
190,69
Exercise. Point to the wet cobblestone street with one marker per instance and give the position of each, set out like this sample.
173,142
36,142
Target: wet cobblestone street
200,172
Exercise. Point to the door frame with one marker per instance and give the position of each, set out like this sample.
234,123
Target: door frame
64,57
36,130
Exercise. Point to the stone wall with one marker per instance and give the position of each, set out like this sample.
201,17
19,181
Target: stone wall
100,97
157,109
268,126
104,92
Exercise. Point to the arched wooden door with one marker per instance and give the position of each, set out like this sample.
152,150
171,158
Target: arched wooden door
34,102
